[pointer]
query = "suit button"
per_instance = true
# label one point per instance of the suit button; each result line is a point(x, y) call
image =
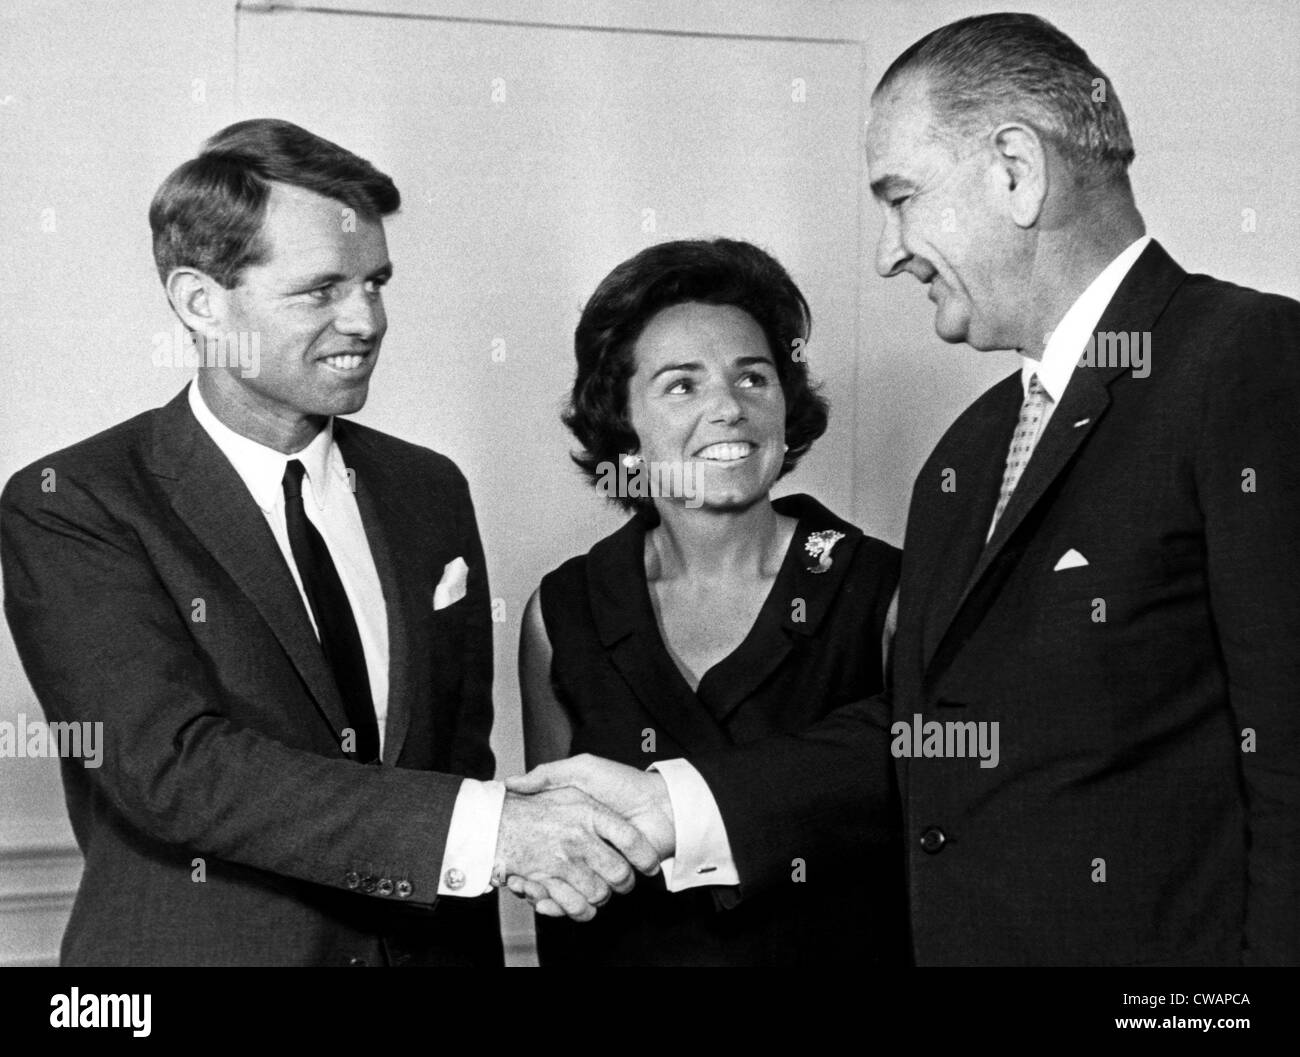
point(404, 889)
point(454, 879)
point(933, 840)
point(352, 879)
point(385, 887)
point(356, 961)
point(369, 884)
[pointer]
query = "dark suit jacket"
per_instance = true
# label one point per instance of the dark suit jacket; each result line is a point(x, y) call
point(1146, 805)
point(221, 721)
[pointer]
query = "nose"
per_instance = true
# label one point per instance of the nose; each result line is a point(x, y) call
point(890, 253)
point(723, 405)
point(361, 315)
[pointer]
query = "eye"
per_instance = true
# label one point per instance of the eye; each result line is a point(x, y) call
point(321, 293)
point(898, 200)
point(753, 379)
point(376, 286)
point(679, 387)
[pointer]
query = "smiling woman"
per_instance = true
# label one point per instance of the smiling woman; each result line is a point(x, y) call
point(704, 286)
point(711, 618)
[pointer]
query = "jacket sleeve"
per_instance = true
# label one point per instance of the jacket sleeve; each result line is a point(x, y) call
point(807, 795)
point(825, 791)
point(1248, 481)
point(102, 642)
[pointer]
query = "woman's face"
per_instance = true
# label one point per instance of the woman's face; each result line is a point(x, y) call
point(705, 396)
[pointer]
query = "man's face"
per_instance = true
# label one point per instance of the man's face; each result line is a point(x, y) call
point(317, 306)
point(943, 223)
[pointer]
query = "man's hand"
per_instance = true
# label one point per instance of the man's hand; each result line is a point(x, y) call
point(641, 797)
point(557, 841)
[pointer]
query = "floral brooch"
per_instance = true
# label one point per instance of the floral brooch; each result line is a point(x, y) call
point(819, 549)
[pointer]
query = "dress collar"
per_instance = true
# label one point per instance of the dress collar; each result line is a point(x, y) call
point(795, 607)
point(620, 595)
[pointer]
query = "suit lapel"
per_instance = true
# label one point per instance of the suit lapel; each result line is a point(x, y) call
point(376, 496)
point(1083, 405)
point(952, 552)
point(209, 496)
point(1136, 306)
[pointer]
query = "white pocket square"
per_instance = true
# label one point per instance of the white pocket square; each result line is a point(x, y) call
point(1071, 559)
point(451, 588)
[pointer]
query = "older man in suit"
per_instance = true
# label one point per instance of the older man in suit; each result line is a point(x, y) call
point(280, 618)
point(1098, 580)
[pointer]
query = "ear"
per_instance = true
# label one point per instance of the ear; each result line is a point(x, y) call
point(198, 299)
point(1021, 171)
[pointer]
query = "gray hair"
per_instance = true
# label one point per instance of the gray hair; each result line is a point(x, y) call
point(989, 68)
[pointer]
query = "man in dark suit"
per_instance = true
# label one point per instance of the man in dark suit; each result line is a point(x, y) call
point(280, 618)
point(1095, 709)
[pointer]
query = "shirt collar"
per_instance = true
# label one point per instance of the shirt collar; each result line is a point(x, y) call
point(1068, 340)
point(262, 468)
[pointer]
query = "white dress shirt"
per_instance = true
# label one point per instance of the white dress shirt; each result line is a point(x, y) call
point(1066, 343)
point(471, 840)
point(703, 849)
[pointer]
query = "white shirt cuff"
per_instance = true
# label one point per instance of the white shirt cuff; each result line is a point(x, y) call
point(471, 849)
point(703, 852)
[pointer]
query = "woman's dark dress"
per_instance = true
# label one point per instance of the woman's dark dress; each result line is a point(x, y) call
point(814, 646)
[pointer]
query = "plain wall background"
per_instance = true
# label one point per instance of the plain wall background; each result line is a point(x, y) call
point(99, 100)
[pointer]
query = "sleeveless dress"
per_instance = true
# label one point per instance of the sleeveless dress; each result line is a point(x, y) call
point(815, 645)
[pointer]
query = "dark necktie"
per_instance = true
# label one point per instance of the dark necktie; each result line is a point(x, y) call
point(339, 637)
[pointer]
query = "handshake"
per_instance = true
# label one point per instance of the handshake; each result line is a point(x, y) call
point(572, 832)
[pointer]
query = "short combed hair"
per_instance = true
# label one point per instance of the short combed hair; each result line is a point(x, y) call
point(711, 272)
point(208, 213)
point(988, 68)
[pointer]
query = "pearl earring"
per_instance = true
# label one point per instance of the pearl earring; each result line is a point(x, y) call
point(631, 461)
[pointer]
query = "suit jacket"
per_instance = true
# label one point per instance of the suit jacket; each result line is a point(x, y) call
point(146, 592)
point(1146, 803)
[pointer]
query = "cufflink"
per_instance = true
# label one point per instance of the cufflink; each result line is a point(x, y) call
point(352, 879)
point(385, 887)
point(454, 879)
point(404, 889)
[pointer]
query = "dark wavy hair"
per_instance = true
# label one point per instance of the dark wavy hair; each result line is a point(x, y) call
point(208, 213)
point(711, 272)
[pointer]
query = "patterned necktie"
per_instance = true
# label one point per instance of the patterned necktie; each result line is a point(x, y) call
point(1022, 445)
point(339, 638)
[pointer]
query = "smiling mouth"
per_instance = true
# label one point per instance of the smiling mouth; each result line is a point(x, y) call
point(728, 451)
point(346, 362)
